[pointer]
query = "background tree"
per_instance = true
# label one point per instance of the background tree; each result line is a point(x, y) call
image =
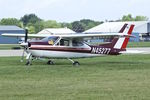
point(137, 18)
point(39, 26)
point(51, 24)
point(68, 25)
point(31, 18)
point(77, 26)
point(10, 21)
point(141, 18)
point(87, 23)
point(31, 29)
point(84, 24)
point(127, 18)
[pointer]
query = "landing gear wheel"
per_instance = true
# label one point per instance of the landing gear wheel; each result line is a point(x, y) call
point(50, 62)
point(28, 63)
point(76, 63)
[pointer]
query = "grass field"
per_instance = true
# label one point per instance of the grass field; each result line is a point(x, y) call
point(125, 77)
point(8, 46)
point(138, 44)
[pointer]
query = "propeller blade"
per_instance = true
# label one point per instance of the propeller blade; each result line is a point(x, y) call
point(26, 35)
point(25, 45)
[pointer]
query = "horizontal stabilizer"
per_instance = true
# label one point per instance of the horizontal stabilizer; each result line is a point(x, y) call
point(134, 52)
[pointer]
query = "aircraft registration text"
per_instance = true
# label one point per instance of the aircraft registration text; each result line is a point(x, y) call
point(97, 50)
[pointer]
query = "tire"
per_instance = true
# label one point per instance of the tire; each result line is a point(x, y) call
point(28, 63)
point(76, 63)
point(50, 62)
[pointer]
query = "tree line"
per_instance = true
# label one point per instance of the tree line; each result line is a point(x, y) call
point(36, 24)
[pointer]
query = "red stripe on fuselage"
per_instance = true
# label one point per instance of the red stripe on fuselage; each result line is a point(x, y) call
point(66, 49)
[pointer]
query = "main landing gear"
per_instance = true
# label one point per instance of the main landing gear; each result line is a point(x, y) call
point(50, 62)
point(74, 63)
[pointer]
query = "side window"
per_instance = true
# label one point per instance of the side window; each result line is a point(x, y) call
point(64, 42)
point(76, 43)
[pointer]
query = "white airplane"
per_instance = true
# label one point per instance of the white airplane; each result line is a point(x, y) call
point(73, 45)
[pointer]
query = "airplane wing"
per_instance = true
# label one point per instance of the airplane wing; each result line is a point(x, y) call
point(94, 35)
point(23, 35)
point(69, 35)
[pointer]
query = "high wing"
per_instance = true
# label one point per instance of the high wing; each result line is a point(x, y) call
point(68, 35)
point(23, 35)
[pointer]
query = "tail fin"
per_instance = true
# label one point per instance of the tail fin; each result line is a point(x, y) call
point(124, 45)
point(123, 28)
point(121, 42)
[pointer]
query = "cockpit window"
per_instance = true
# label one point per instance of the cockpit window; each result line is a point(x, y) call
point(50, 40)
point(64, 42)
point(76, 43)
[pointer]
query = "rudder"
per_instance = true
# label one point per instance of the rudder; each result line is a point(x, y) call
point(121, 43)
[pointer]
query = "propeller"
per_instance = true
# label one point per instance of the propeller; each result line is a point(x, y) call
point(26, 35)
point(24, 44)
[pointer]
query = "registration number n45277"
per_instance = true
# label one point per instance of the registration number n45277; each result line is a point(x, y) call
point(96, 50)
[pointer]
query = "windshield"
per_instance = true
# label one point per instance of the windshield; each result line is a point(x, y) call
point(50, 40)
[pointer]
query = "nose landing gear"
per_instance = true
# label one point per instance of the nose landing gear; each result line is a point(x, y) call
point(29, 58)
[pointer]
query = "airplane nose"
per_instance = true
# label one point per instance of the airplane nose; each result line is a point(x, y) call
point(25, 44)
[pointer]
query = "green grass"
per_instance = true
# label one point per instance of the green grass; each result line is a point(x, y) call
point(8, 46)
point(138, 44)
point(125, 77)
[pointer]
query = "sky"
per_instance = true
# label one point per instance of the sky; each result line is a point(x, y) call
point(72, 10)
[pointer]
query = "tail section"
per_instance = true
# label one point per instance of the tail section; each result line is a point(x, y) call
point(115, 40)
point(118, 44)
point(123, 28)
point(121, 43)
point(124, 45)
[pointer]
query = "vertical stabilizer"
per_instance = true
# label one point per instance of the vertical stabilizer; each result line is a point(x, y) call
point(121, 42)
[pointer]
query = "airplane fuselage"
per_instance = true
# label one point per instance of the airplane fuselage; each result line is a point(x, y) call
point(83, 51)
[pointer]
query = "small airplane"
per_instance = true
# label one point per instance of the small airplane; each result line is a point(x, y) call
point(73, 45)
